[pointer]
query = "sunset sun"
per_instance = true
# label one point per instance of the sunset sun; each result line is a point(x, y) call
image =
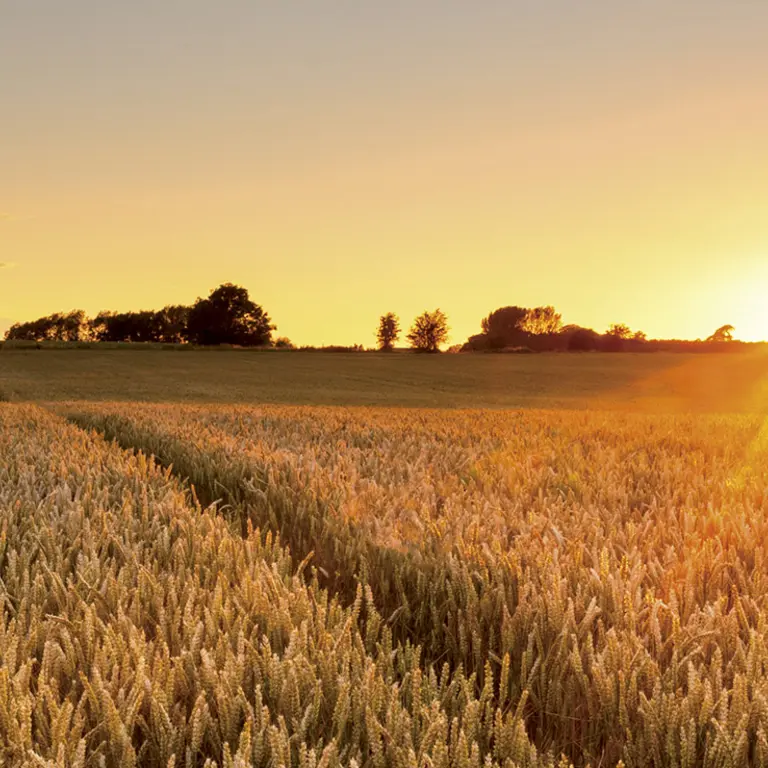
point(748, 299)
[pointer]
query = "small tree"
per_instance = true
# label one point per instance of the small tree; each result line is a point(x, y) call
point(616, 337)
point(724, 333)
point(620, 331)
point(389, 331)
point(429, 331)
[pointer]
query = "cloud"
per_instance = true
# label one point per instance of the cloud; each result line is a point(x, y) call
point(7, 265)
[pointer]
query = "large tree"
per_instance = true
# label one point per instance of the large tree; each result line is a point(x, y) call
point(504, 322)
point(429, 331)
point(228, 316)
point(388, 332)
point(504, 328)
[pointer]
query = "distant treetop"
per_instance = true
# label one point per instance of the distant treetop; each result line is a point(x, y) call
point(723, 333)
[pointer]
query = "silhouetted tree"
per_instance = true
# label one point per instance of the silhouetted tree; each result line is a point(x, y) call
point(125, 326)
point(502, 328)
point(723, 334)
point(284, 343)
point(620, 331)
point(504, 321)
point(99, 325)
point(514, 326)
point(582, 339)
point(69, 326)
point(167, 325)
point(389, 331)
point(228, 316)
point(542, 320)
point(171, 324)
point(639, 336)
point(476, 343)
point(72, 326)
point(429, 331)
point(28, 331)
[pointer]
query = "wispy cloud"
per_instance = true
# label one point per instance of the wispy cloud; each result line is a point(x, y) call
point(6, 217)
point(7, 265)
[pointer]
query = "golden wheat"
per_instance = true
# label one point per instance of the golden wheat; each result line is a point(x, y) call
point(140, 629)
point(608, 569)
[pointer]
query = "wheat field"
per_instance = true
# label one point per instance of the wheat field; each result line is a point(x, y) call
point(326, 586)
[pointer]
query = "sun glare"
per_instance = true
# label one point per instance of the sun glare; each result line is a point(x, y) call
point(754, 312)
point(739, 299)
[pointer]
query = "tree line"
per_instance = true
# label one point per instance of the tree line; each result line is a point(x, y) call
point(541, 329)
point(536, 329)
point(229, 316)
point(226, 316)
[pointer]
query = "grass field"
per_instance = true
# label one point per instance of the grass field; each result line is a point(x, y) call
point(492, 561)
point(655, 382)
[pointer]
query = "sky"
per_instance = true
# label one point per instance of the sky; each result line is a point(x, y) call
point(345, 158)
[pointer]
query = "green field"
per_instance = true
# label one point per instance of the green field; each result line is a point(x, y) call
point(654, 382)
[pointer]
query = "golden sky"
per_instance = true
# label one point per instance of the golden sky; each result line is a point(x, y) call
point(342, 159)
